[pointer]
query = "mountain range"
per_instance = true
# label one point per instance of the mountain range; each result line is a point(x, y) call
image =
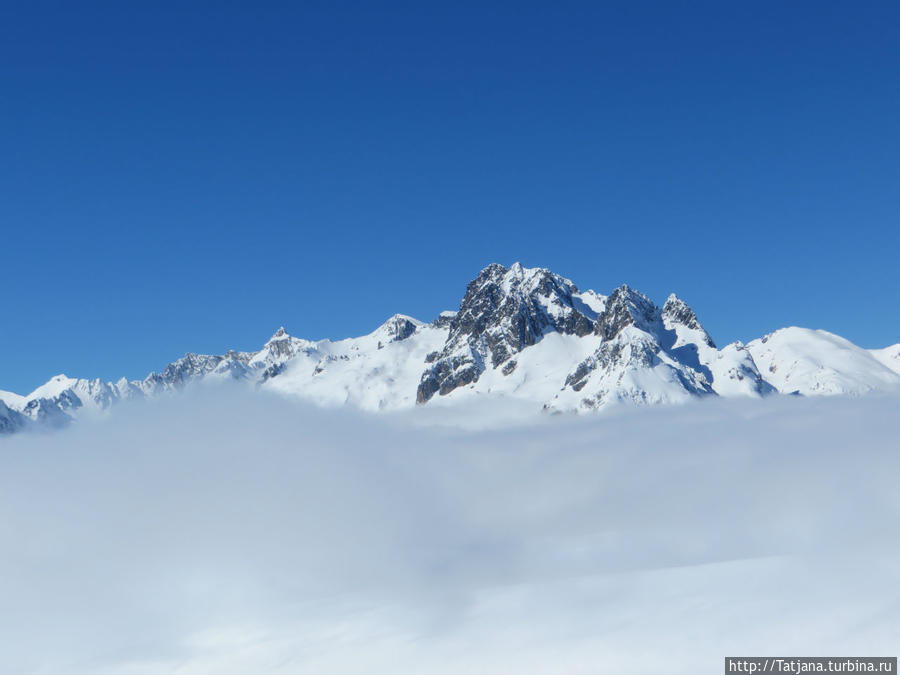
point(520, 333)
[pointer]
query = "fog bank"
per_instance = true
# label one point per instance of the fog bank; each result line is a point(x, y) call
point(224, 532)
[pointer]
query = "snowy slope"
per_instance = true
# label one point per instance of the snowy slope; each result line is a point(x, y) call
point(816, 362)
point(632, 368)
point(379, 371)
point(889, 356)
point(519, 334)
point(14, 401)
point(634, 361)
point(731, 370)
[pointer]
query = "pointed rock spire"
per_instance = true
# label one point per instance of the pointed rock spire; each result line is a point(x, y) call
point(398, 327)
point(625, 307)
point(676, 312)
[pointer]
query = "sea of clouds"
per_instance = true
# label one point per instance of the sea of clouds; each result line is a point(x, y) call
point(223, 532)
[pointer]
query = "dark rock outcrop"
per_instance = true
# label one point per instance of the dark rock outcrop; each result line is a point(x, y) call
point(677, 312)
point(625, 307)
point(503, 311)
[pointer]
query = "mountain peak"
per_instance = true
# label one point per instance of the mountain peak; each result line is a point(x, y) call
point(444, 318)
point(676, 312)
point(279, 348)
point(625, 307)
point(521, 332)
point(503, 311)
point(280, 338)
point(493, 271)
point(398, 327)
point(53, 387)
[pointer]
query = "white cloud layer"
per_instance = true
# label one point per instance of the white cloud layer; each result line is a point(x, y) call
point(223, 532)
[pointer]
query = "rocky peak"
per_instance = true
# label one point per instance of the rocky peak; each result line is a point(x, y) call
point(444, 319)
point(676, 312)
point(281, 345)
point(632, 351)
point(188, 367)
point(626, 307)
point(398, 327)
point(503, 311)
point(516, 306)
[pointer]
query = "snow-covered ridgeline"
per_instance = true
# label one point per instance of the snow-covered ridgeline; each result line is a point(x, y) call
point(519, 333)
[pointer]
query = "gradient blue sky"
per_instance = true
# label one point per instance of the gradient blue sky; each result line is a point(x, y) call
point(190, 176)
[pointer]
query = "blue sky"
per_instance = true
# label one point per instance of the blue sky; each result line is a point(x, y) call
point(190, 176)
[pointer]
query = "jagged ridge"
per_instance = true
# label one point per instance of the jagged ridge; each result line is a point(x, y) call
point(519, 332)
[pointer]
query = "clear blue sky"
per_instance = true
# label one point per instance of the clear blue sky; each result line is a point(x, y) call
point(189, 176)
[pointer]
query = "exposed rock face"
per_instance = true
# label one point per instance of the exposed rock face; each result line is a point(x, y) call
point(625, 307)
point(10, 420)
point(444, 319)
point(676, 313)
point(522, 333)
point(275, 354)
point(53, 413)
point(613, 356)
point(621, 369)
point(513, 308)
point(398, 327)
point(281, 345)
point(447, 374)
point(637, 351)
point(503, 312)
point(178, 373)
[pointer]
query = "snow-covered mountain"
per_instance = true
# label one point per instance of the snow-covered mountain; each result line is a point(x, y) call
point(519, 333)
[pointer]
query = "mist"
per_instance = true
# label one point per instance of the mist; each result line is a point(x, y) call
point(228, 532)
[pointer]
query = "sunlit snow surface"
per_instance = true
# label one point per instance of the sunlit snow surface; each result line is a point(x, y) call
point(224, 532)
point(522, 338)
